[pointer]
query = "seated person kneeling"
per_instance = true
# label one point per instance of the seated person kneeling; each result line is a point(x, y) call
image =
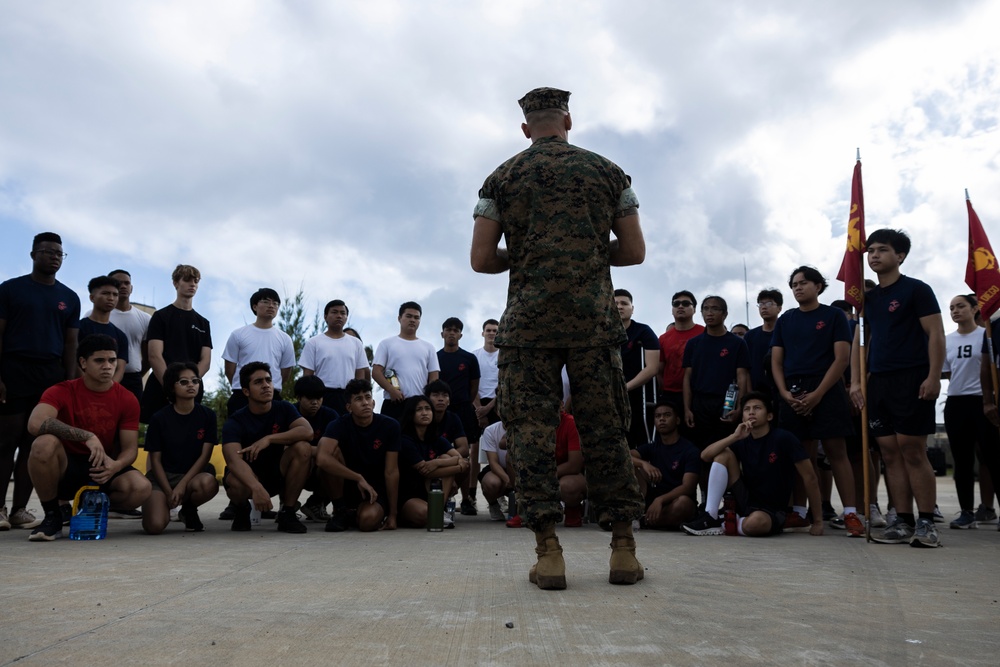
point(668, 469)
point(757, 464)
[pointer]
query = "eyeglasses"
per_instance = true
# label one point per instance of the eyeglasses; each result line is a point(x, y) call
point(185, 381)
point(269, 302)
point(682, 304)
point(52, 253)
point(766, 304)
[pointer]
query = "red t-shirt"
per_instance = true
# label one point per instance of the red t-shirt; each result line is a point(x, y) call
point(567, 438)
point(672, 356)
point(102, 413)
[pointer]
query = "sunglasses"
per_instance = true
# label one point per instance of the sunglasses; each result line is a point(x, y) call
point(185, 382)
point(682, 304)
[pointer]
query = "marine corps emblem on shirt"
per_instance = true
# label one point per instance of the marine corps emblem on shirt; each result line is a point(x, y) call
point(377, 444)
point(725, 352)
point(893, 305)
point(62, 305)
point(772, 457)
point(200, 434)
point(820, 325)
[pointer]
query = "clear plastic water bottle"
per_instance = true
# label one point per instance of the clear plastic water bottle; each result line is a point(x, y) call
point(730, 403)
point(435, 507)
point(90, 514)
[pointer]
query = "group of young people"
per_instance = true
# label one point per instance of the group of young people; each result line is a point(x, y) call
point(761, 415)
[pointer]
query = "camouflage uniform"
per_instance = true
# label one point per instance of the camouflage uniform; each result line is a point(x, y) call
point(556, 204)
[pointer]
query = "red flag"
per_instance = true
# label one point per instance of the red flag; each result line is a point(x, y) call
point(982, 274)
point(852, 268)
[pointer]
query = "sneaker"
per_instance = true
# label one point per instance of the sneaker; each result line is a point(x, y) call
point(124, 514)
point(925, 535)
point(837, 522)
point(794, 520)
point(449, 510)
point(4, 519)
point(66, 510)
point(502, 502)
point(192, 522)
point(898, 532)
point(704, 525)
point(854, 525)
point(985, 514)
point(515, 522)
point(965, 520)
point(228, 514)
point(175, 514)
point(496, 512)
point(938, 517)
point(449, 520)
point(288, 522)
point(315, 511)
point(468, 507)
point(890, 516)
point(50, 528)
point(22, 518)
point(875, 514)
point(336, 524)
point(828, 512)
point(241, 517)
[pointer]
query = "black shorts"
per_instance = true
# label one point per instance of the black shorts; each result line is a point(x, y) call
point(353, 499)
point(830, 419)
point(26, 380)
point(267, 472)
point(744, 508)
point(78, 474)
point(467, 413)
point(894, 406)
point(335, 399)
point(708, 424)
point(392, 409)
point(133, 382)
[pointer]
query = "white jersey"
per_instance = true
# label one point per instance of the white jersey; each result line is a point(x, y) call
point(487, 372)
point(335, 361)
point(410, 360)
point(489, 441)
point(962, 358)
point(251, 343)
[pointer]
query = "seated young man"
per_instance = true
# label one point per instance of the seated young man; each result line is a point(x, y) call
point(310, 391)
point(757, 464)
point(266, 446)
point(668, 470)
point(424, 456)
point(179, 440)
point(86, 433)
point(569, 471)
point(495, 478)
point(358, 457)
point(450, 426)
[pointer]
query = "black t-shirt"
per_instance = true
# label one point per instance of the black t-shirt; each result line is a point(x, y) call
point(247, 428)
point(412, 452)
point(713, 361)
point(37, 317)
point(459, 369)
point(808, 338)
point(758, 345)
point(320, 421)
point(898, 340)
point(451, 427)
point(768, 467)
point(89, 327)
point(640, 339)
point(183, 332)
point(180, 438)
point(673, 462)
point(365, 447)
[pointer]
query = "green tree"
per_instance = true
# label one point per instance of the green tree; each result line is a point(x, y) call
point(292, 320)
point(217, 400)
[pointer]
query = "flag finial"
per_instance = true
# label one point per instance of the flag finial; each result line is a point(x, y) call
point(859, 153)
point(966, 194)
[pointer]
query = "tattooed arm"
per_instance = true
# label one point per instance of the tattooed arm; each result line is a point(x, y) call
point(43, 422)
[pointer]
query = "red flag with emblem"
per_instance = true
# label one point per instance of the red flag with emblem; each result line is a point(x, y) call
point(852, 269)
point(982, 274)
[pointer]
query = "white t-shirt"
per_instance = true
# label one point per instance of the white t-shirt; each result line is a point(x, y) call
point(489, 441)
point(962, 358)
point(487, 372)
point(335, 361)
point(133, 323)
point(250, 343)
point(412, 360)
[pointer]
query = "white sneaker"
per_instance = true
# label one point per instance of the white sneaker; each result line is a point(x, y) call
point(449, 521)
point(4, 519)
point(24, 519)
point(497, 513)
point(890, 516)
point(938, 517)
point(175, 514)
point(878, 521)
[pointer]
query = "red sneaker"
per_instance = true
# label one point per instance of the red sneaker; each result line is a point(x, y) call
point(574, 516)
point(854, 525)
point(793, 520)
point(514, 521)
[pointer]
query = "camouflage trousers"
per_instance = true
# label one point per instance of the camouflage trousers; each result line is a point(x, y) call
point(528, 400)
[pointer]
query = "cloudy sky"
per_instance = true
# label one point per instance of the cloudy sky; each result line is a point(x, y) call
point(340, 146)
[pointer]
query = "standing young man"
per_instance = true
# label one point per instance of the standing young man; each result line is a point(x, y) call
point(404, 364)
point(672, 344)
point(905, 356)
point(104, 296)
point(134, 323)
point(557, 206)
point(485, 403)
point(640, 362)
point(39, 317)
point(758, 339)
point(335, 357)
point(176, 333)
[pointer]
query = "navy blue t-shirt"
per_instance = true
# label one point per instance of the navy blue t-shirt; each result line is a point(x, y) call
point(459, 369)
point(180, 438)
point(640, 339)
point(768, 467)
point(758, 345)
point(713, 361)
point(320, 421)
point(36, 317)
point(673, 462)
point(247, 428)
point(808, 337)
point(365, 447)
point(89, 327)
point(412, 452)
point(451, 427)
point(898, 340)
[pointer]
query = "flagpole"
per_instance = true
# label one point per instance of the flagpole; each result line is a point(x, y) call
point(866, 461)
point(746, 291)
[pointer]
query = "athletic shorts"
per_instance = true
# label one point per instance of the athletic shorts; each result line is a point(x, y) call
point(78, 474)
point(269, 476)
point(708, 425)
point(467, 413)
point(743, 507)
point(352, 497)
point(173, 478)
point(894, 406)
point(26, 380)
point(830, 419)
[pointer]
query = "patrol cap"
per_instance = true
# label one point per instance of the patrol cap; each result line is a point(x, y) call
point(544, 98)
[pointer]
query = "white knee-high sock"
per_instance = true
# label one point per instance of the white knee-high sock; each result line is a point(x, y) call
point(718, 482)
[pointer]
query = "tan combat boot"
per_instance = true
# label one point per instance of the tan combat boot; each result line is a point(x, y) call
point(625, 568)
point(549, 573)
